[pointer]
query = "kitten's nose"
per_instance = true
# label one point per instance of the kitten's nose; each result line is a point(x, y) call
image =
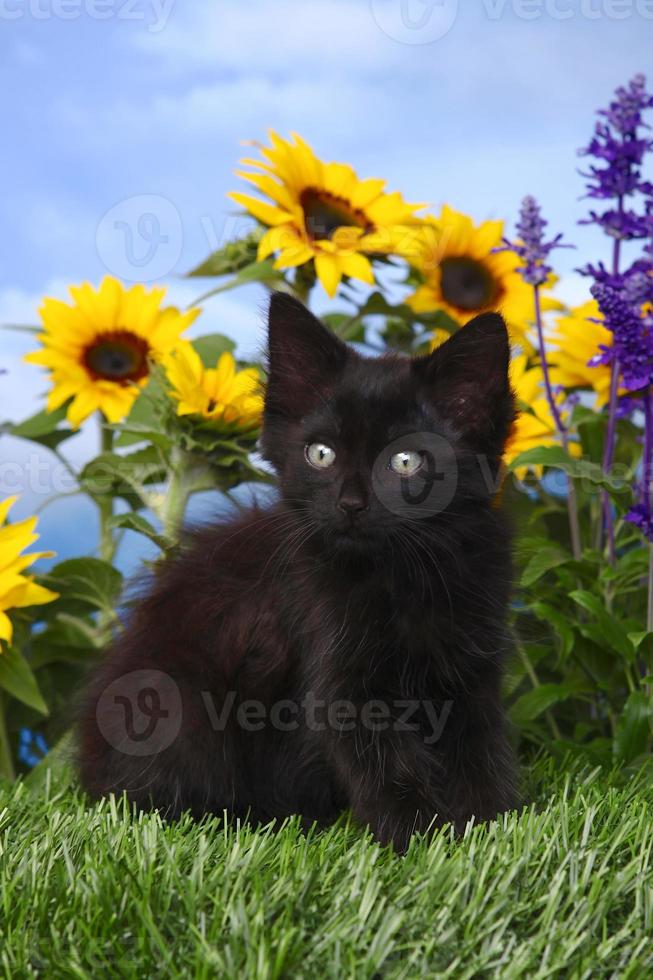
point(353, 502)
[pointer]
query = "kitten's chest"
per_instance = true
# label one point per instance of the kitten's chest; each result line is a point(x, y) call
point(377, 640)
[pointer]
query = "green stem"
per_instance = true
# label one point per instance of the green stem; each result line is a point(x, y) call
point(572, 503)
point(535, 681)
point(647, 493)
point(174, 507)
point(6, 762)
point(104, 502)
point(649, 610)
point(303, 282)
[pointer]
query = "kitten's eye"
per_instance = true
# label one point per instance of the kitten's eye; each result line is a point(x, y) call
point(320, 455)
point(406, 463)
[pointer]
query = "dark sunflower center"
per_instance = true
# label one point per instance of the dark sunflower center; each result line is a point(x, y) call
point(117, 356)
point(324, 212)
point(467, 284)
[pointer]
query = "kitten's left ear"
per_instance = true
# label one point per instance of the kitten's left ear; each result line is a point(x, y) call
point(304, 357)
point(467, 379)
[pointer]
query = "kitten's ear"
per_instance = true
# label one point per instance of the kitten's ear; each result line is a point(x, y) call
point(304, 357)
point(467, 379)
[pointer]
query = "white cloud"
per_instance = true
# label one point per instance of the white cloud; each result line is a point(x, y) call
point(222, 113)
point(288, 36)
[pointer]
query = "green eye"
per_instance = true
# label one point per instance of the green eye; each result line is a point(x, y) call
point(406, 463)
point(320, 455)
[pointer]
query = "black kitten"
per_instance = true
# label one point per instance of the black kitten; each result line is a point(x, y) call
point(343, 649)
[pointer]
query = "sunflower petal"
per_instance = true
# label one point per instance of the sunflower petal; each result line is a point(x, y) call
point(267, 213)
point(327, 269)
point(6, 628)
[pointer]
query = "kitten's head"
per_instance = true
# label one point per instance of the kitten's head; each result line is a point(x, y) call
point(367, 446)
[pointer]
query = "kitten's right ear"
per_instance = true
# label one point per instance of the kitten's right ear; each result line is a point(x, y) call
point(304, 357)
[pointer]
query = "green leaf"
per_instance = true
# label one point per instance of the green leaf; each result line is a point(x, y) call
point(125, 476)
point(605, 630)
point(21, 327)
point(42, 428)
point(543, 561)
point(17, 678)
point(69, 639)
point(211, 346)
point(264, 272)
point(89, 580)
point(376, 304)
point(581, 469)
point(145, 422)
point(138, 523)
point(231, 258)
point(643, 644)
point(40, 424)
point(133, 433)
point(634, 727)
point(560, 623)
point(345, 326)
point(588, 601)
point(543, 456)
point(534, 703)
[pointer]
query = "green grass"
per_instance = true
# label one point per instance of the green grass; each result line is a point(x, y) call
point(565, 889)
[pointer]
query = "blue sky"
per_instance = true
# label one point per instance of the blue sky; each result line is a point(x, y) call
point(115, 109)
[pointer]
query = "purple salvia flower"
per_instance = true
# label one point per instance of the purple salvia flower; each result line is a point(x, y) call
point(633, 336)
point(640, 515)
point(636, 283)
point(534, 251)
point(625, 113)
point(637, 286)
point(530, 246)
point(627, 405)
point(619, 146)
point(619, 149)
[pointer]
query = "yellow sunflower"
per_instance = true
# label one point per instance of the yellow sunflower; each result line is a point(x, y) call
point(534, 426)
point(320, 211)
point(223, 394)
point(16, 589)
point(464, 276)
point(575, 341)
point(98, 348)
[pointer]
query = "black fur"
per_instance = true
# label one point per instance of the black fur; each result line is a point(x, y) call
point(352, 589)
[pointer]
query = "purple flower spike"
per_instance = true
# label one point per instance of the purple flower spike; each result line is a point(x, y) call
point(619, 148)
point(633, 334)
point(531, 247)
